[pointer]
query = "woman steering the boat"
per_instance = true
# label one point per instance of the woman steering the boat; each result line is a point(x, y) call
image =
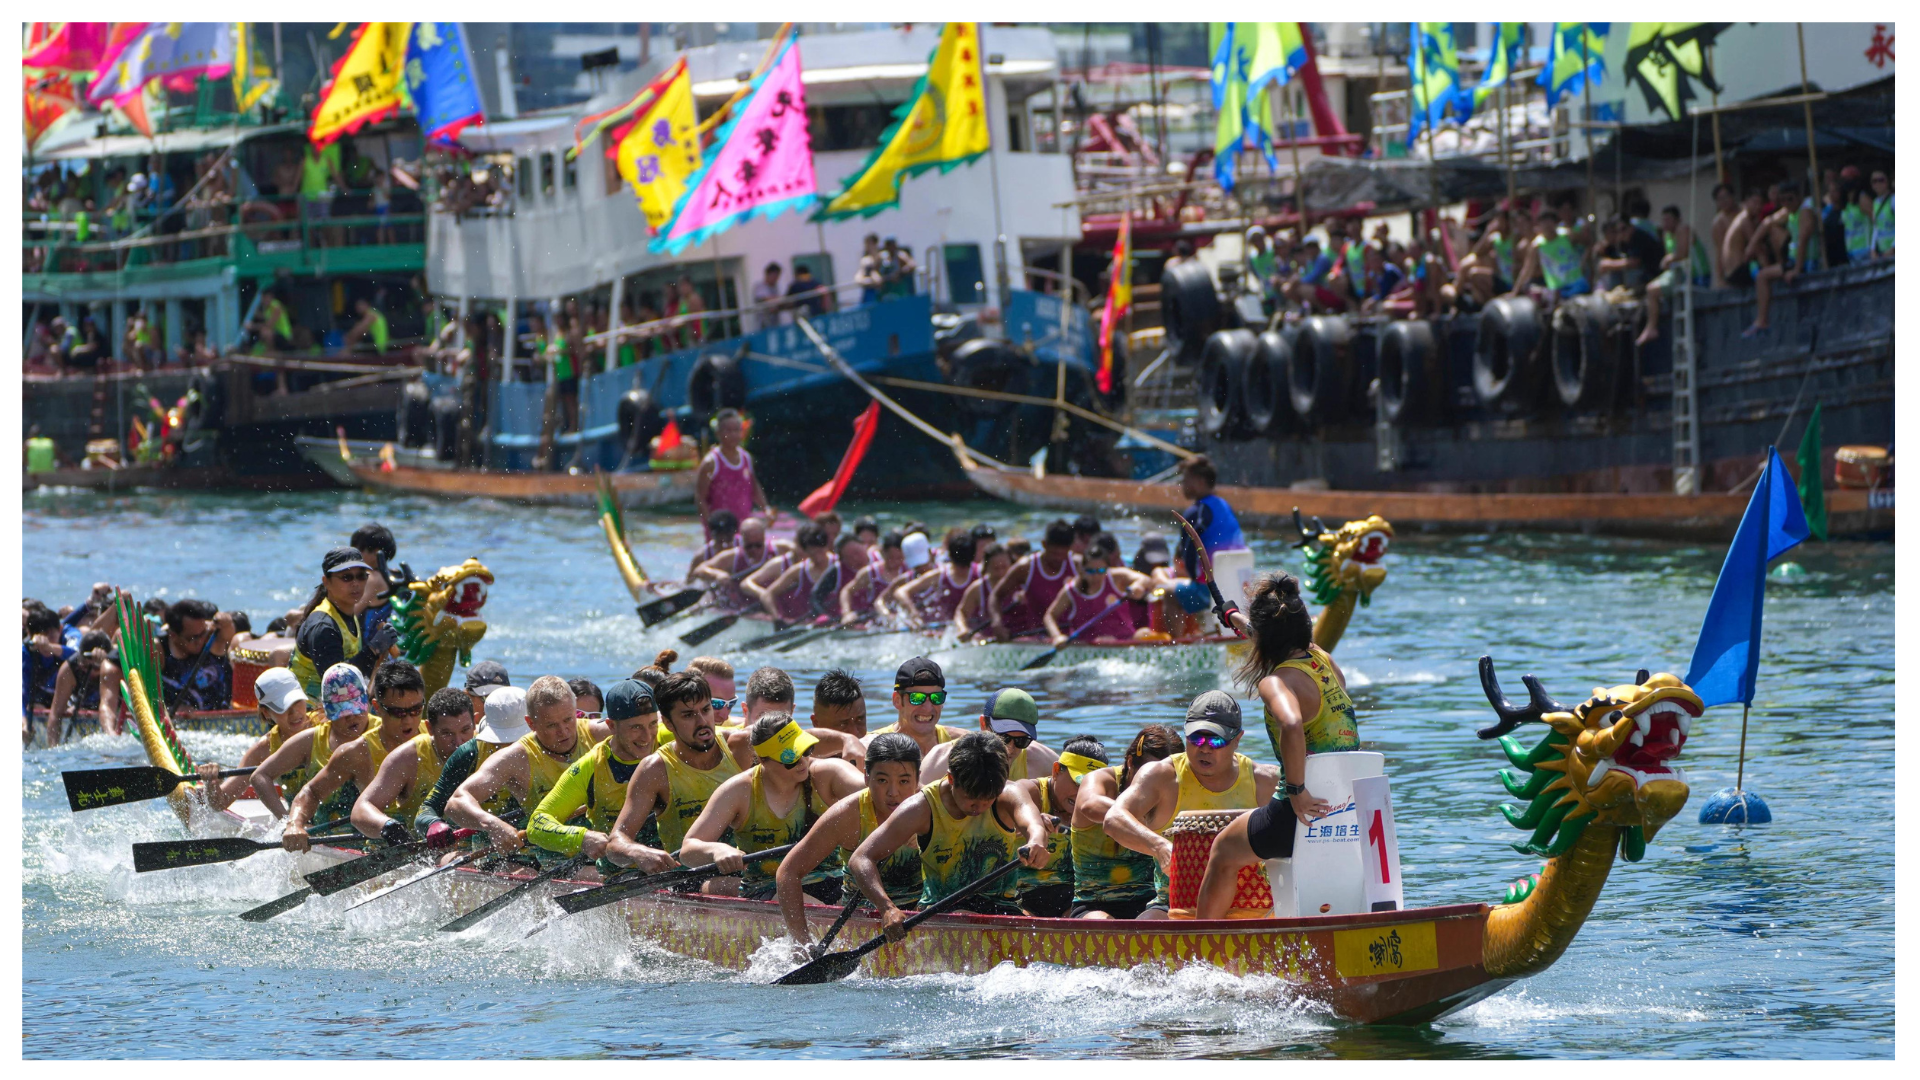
point(332, 631)
point(1307, 712)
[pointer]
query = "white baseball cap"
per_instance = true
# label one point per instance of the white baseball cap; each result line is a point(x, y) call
point(278, 689)
point(506, 716)
point(916, 548)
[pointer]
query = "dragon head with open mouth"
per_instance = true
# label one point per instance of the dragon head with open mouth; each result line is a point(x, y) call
point(439, 619)
point(1343, 568)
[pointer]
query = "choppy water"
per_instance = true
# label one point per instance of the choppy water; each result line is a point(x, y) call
point(1768, 942)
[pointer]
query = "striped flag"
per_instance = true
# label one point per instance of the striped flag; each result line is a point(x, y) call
point(1119, 300)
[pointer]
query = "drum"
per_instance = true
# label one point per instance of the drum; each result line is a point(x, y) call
point(250, 658)
point(1860, 466)
point(1192, 834)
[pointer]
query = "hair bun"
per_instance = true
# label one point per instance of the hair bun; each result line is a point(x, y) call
point(664, 659)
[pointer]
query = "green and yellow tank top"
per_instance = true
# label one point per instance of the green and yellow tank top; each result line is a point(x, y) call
point(764, 830)
point(688, 790)
point(1197, 796)
point(543, 769)
point(1017, 768)
point(302, 664)
point(900, 872)
point(941, 733)
point(958, 851)
point(1334, 728)
point(1106, 872)
point(317, 753)
point(597, 784)
point(426, 773)
point(1059, 868)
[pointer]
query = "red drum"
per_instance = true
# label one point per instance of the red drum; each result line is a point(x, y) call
point(1192, 834)
point(250, 658)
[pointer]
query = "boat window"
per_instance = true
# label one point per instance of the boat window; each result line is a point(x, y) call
point(966, 274)
point(848, 127)
point(546, 175)
point(526, 178)
point(569, 173)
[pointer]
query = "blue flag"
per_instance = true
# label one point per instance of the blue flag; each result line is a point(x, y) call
point(440, 80)
point(1727, 656)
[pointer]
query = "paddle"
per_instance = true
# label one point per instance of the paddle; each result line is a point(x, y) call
point(1046, 658)
point(668, 606)
point(782, 631)
point(89, 789)
point(699, 634)
point(465, 860)
point(171, 854)
point(1206, 567)
point(816, 635)
point(346, 875)
point(836, 966)
point(474, 917)
point(278, 907)
point(587, 899)
point(820, 947)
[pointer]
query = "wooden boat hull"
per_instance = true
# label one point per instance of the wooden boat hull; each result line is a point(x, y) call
point(1710, 516)
point(634, 490)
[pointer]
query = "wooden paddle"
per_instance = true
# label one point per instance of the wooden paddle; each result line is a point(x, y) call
point(587, 899)
point(171, 854)
point(671, 605)
point(464, 860)
point(346, 875)
point(1205, 564)
point(1046, 658)
point(474, 917)
point(836, 966)
point(820, 947)
point(89, 789)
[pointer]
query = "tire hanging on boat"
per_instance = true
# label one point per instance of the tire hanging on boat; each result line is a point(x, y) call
point(1222, 412)
point(1409, 366)
point(986, 364)
point(639, 421)
point(206, 401)
point(416, 415)
point(1263, 385)
point(716, 382)
point(1190, 308)
point(1583, 360)
point(1506, 357)
point(1319, 369)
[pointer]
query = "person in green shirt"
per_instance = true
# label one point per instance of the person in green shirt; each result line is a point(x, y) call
point(320, 177)
point(566, 379)
point(372, 324)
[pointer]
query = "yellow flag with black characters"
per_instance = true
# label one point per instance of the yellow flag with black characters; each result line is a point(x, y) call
point(366, 82)
point(660, 147)
point(942, 125)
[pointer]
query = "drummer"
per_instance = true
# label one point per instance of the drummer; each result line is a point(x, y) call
point(1211, 775)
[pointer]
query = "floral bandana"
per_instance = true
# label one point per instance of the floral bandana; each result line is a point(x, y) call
point(343, 690)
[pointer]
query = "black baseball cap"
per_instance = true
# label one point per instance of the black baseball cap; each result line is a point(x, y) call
point(486, 673)
point(343, 558)
point(919, 671)
point(629, 698)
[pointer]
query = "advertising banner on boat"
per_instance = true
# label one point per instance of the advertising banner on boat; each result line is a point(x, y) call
point(1033, 321)
point(1380, 860)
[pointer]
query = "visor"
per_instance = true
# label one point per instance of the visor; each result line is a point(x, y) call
point(787, 745)
point(1079, 765)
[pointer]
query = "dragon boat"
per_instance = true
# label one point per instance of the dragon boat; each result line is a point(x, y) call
point(669, 487)
point(1596, 787)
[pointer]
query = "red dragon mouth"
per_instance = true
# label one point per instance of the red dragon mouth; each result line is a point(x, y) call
point(1660, 730)
point(468, 598)
point(1371, 547)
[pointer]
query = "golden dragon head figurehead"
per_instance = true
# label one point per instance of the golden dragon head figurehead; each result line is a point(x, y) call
point(1605, 761)
point(1343, 559)
point(460, 591)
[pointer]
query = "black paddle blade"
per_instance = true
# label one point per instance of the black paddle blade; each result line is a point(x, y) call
point(830, 968)
point(334, 879)
point(477, 915)
point(277, 907)
point(668, 606)
point(699, 634)
point(168, 854)
point(1040, 661)
point(90, 788)
point(574, 903)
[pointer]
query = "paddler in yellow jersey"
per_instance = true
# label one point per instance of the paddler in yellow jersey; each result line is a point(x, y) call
point(771, 690)
point(672, 786)
point(893, 776)
point(1047, 893)
point(969, 824)
point(283, 707)
point(387, 805)
point(1308, 712)
point(502, 717)
point(1211, 775)
point(597, 783)
point(772, 805)
point(532, 765)
point(919, 693)
point(1110, 881)
point(400, 694)
point(1012, 714)
point(343, 698)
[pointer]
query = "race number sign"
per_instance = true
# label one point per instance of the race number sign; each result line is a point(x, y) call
point(1380, 859)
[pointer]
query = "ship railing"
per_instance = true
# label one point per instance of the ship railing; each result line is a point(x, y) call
point(56, 250)
point(760, 312)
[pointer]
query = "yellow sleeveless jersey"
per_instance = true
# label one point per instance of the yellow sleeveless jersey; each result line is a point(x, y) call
point(543, 769)
point(958, 851)
point(688, 790)
point(899, 872)
point(1196, 796)
point(1104, 871)
point(763, 830)
point(303, 666)
point(1059, 868)
point(597, 783)
point(1334, 728)
point(941, 733)
point(426, 773)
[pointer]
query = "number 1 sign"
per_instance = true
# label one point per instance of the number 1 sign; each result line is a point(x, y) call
point(1373, 801)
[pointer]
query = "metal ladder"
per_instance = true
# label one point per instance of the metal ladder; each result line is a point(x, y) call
point(1686, 429)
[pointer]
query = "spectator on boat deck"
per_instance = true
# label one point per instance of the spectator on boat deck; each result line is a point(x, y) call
point(196, 672)
point(1182, 252)
point(88, 679)
point(815, 305)
point(1856, 221)
point(868, 276)
point(334, 629)
point(768, 311)
point(1833, 234)
point(371, 325)
point(1630, 258)
point(1685, 257)
point(896, 270)
point(1753, 255)
point(1378, 279)
point(1726, 208)
point(1882, 185)
point(562, 351)
point(1796, 232)
point(587, 698)
point(320, 178)
point(1209, 515)
point(684, 303)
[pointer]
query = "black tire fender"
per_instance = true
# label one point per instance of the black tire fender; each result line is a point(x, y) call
point(1506, 359)
point(1263, 385)
point(1190, 308)
point(1222, 415)
point(716, 382)
point(639, 420)
point(1319, 369)
point(1583, 361)
point(986, 364)
point(1409, 366)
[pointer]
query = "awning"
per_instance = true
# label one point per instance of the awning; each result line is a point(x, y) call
point(506, 136)
point(76, 141)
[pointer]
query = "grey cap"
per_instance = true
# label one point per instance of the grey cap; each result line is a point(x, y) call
point(486, 673)
point(1215, 711)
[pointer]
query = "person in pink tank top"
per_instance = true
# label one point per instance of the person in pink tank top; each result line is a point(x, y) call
point(726, 480)
point(789, 597)
point(1024, 595)
point(723, 534)
point(886, 566)
point(973, 618)
point(933, 596)
point(752, 555)
point(1094, 607)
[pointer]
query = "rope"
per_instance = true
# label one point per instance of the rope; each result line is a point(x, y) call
point(1053, 403)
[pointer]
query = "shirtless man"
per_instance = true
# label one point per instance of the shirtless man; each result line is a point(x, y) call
point(1752, 257)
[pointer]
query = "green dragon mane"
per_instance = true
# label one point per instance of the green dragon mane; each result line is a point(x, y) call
point(1549, 810)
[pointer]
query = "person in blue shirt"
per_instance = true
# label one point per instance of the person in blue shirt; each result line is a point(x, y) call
point(1210, 515)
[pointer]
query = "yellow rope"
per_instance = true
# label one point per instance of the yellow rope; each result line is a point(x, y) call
point(1053, 403)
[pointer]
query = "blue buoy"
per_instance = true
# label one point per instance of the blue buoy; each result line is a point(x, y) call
point(1732, 807)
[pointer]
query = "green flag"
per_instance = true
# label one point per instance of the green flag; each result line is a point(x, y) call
point(1813, 496)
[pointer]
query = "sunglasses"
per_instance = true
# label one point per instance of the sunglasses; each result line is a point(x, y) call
point(921, 697)
point(1093, 569)
point(400, 713)
point(351, 575)
point(1018, 742)
point(725, 704)
point(1207, 740)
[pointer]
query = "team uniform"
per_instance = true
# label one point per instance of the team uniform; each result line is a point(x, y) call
point(959, 851)
point(1048, 891)
point(763, 829)
point(1196, 796)
point(1107, 876)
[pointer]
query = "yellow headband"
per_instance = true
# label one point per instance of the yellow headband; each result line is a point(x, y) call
point(787, 745)
point(1079, 765)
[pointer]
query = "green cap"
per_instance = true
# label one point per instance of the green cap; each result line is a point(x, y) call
point(1011, 710)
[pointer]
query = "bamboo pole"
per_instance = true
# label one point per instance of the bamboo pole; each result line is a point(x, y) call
point(1814, 191)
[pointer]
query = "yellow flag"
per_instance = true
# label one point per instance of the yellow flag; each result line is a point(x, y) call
point(366, 82)
point(943, 124)
point(252, 78)
point(660, 147)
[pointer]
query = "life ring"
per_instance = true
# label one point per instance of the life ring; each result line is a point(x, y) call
point(1319, 367)
point(639, 421)
point(716, 382)
point(1263, 385)
point(1409, 366)
point(416, 415)
point(1583, 365)
point(206, 401)
point(986, 364)
point(1505, 361)
point(1189, 307)
point(1222, 414)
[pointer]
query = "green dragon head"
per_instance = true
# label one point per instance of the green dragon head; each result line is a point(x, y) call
point(1604, 760)
point(1344, 559)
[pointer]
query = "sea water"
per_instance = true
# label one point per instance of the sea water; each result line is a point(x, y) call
point(1768, 941)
